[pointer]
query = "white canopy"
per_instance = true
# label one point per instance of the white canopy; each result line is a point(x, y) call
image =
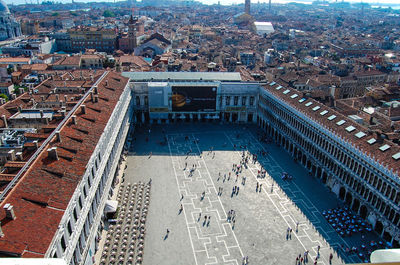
point(385, 255)
point(111, 206)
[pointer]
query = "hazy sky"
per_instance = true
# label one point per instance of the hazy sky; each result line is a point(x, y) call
point(224, 2)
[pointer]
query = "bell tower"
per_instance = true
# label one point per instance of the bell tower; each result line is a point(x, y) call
point(132, 28)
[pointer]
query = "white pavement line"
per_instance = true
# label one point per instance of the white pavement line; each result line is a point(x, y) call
point(219, 199)
point(312, 205)
point(187, 224)
point(277, 208)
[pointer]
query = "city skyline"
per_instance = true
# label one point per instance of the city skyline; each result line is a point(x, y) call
point(227, 2)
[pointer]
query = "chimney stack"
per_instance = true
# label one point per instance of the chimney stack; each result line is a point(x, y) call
point(41, 114)
point(1, 231)
point(74, 119)
point(57, 97)
point(9, 211)
point(5, 121)
point(65, 98)
point(11, 155)
point(96, 90)
point(83, 108)
point(106, 83)
point(36, 144)
point(42, 97)
point(19, 156)
point(58, 136)
point(96, 98)
point(52, 153)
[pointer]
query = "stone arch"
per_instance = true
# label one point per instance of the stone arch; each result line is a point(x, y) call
point(348, 198)
point(378, 227)
point(363, 211)
point(324, 177)
point(387, 236)
point(356, 205)
point(309, 164)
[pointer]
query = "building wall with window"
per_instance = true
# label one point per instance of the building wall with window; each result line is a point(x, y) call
point(100, 39)
point(357, 177)
point(78, 234)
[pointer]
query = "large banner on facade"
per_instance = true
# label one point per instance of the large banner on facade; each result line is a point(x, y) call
point(194, 98)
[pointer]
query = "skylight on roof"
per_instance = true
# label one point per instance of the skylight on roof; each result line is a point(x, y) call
point(294, 96)
point(350, 128)
point(360, 135)
point(331, 117)
point(278, 87)
point(286, 91)
point(316, 108)
point(341, 122)
point(323, 112)
point(308, 104)
point(396, 156)
point(272, 83)
point(385, 147)
point(302, 100)
point(371, 141)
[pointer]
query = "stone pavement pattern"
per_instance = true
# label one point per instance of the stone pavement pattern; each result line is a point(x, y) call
point(261, 217)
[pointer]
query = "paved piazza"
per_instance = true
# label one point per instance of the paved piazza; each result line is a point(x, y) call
point(262, 218)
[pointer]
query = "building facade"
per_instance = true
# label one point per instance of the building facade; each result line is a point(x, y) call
point(360, 168)
point(30, 46)
point(178, 96)
point(100, 39)
point(9, 27)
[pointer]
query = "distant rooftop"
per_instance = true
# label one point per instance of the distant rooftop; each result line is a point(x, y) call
point(183, 76)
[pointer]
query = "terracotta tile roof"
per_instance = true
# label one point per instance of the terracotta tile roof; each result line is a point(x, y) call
point(11, 107)
point(44, 191)
point(14, 60)
point(385, 158)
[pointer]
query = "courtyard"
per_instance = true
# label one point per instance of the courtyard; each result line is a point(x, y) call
point(190, 168)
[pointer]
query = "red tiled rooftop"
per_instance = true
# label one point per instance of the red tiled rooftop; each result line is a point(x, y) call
point(44, 191)
point(384, 158)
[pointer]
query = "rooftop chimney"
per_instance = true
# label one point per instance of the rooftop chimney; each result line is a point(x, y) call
point(36, 144)
point(96, 98)
point(106, 83)
point(58, 136)
point(65, 98)
point(52, 153)
point(83, 108)
point(42, 97)
point(19, 156)
point(41, 114)
point(11, 155)
point(91, 96)
point(1, 231)
point(57, 97)
point(5, 121)
point(74, 119)
point(9, 211)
